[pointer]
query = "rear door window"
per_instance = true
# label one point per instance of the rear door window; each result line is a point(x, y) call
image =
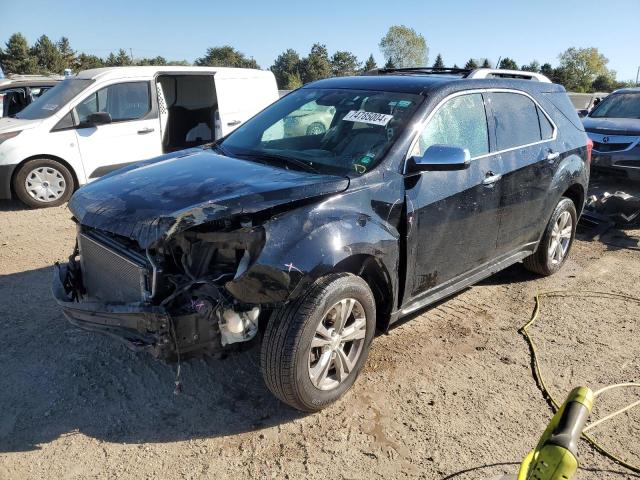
point(460, 122)
point(516, 120)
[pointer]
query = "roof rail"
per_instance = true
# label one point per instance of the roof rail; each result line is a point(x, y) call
point(463, 72)
point(503, 73)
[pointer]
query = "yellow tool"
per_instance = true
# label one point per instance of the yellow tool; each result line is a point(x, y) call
point(555, 456)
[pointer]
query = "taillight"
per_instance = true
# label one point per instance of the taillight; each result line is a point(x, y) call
point(589, 149)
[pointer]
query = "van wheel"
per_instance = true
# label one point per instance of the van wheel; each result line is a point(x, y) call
point(316, 128)
point(556, 242)
point(43, 182)
point(315, 346)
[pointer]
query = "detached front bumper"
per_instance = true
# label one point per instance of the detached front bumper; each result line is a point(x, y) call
point(142, 327)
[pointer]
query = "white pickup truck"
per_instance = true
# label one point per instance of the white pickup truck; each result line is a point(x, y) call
point(102, 119)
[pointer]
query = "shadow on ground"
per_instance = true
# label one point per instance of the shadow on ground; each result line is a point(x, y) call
point(58, 380)
point(12, 206)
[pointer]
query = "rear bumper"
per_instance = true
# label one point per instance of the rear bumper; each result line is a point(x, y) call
point(6, 173)
point(140, 326)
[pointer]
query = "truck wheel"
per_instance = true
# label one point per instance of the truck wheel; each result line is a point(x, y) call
point(43, 182)
point(315, 346)
point(556, 241)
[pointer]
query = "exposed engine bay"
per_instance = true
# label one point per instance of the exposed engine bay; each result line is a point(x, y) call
point(169, 300)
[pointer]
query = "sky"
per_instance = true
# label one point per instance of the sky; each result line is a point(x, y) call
point(458, 29)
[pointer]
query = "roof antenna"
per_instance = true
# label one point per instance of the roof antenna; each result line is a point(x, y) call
point(498, 62)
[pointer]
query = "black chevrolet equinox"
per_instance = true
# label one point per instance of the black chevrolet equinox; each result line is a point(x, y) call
point(422, 183)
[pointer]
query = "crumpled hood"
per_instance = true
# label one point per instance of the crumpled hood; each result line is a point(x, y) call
point(155, 199)
point(612, 126)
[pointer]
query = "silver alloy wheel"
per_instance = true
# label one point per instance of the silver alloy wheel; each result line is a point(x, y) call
point(337, 344)
point(45, 184)
point(560, 238)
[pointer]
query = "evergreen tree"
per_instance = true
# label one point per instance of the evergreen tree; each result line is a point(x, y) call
point(471, 64)
point(226, 56)
point(47, 56)
point(17, 57)
point(86, 62)
point(344, 64)
point(316, 65)
point(508, 64)
point(370, 64)
point(286, 69)
point(439, 63)
point(67, 55)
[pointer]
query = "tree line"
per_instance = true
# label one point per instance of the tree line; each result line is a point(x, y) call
point(579, 69)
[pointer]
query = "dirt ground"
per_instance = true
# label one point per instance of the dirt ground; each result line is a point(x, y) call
point(449, 394)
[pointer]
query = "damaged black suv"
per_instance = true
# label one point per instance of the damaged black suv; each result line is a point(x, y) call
point(416, 186)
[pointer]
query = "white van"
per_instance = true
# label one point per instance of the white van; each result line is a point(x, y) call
point(103, 119)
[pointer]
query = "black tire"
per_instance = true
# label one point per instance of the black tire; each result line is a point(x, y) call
point(316, 128)
point(541, 262)
point(51, 166)
point(286, 345)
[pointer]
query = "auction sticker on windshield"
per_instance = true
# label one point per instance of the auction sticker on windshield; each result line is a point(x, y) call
point(363, 116)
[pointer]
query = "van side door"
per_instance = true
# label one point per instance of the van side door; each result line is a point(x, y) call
point(525, 144)
point(240, 97)
point(452, 216)
point(132, 135)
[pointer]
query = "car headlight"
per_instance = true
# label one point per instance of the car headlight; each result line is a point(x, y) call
point(7, 136)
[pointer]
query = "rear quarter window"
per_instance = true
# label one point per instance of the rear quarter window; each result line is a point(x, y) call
point(563, 105)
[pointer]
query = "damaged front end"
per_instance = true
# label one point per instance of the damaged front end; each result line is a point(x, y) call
point(169, 299)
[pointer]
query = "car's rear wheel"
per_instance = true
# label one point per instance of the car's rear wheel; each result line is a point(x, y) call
point(314, 347)
point(43, 182)
point(556, 242)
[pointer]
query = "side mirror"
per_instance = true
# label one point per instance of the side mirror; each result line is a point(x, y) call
point(583, 112)
point(95, 119)
point(440, 157)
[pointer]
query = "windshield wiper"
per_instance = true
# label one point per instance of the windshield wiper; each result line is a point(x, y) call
point(281, 159)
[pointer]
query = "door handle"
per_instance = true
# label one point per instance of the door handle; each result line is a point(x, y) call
point(552, 156)
point(233, 123)
point(144, 131)
point(491, 178)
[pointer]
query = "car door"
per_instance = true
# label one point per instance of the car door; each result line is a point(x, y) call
point(452, 216)
point(524, 141)
point(132, 135)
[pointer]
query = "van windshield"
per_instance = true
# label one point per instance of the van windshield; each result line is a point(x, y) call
point(54, 99)
point(335, 131)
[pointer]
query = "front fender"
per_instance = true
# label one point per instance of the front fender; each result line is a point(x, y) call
point(307, 243)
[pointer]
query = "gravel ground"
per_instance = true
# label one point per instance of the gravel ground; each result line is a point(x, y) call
point(448, 394)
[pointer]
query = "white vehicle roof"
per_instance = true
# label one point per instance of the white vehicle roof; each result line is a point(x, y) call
point(108, 73)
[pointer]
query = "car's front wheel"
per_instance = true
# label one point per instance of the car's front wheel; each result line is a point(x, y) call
point(43, 182)
point(557, 240)
point(314, 347)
